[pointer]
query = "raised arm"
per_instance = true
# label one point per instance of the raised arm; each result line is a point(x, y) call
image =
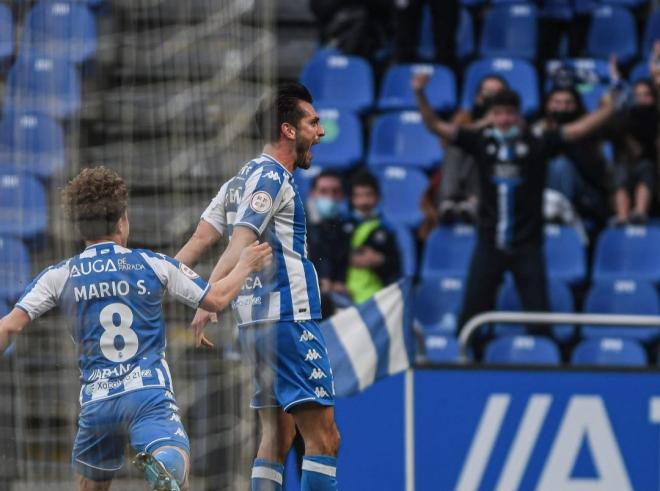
point(204, 237)
point(589, 124)
point(430, 118)
point(11, 324)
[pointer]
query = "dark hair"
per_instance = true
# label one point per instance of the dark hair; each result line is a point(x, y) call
point(649, 83)
point(491, 76)
point(365, 179)
point(284, 108)
point(95, 200)
point(571, 90)
point(506, 97)
point(326, 173)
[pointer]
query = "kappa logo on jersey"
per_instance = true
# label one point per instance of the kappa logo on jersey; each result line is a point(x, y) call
point(317, 374)
point(312, 355)
point(261, 202)
point(180, 433)
point(321, 392)
point(175, 417)
point(188, 272)
point(306, 336)
point(273, 175)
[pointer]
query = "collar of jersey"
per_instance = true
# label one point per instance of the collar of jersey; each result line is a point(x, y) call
point(107, 242)
point(263, 154)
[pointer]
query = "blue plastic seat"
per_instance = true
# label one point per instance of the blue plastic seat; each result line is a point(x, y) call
point(438, 303)
point(510, 31)
point(465, 46)
point(612, 31)
point(609, 352)
point(522, 350)
point(628, 252)
point(342, 147)
point(344, 82)
point(651, 33)
point(626, 3)
point(564, 254)
point(448, 252)
point(560, 299)
point(303, 179)
point(440, 349)
point(519, 74)
point(592, 95)
point(401, 194)
point(60, 29)
point(639, 72)
point(45, 85)
point(6, 33)
point(587, 72)
point(14, 269)
point(22, 206)
point(401, 139)
point(397, 95)
point(407, 250)
point(31, 142)
point(622, 297)
point(557, 9)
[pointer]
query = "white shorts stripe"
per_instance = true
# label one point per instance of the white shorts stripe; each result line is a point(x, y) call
point(267, 473)
point(328, 470)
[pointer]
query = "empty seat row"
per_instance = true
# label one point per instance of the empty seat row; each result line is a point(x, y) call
point(14, 269)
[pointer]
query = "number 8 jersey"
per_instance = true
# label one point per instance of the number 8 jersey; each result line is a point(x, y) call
point(113, 295)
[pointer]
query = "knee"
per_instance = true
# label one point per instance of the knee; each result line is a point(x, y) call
point(329, 441)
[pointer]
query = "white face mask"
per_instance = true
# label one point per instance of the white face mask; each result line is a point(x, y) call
point(510, 134)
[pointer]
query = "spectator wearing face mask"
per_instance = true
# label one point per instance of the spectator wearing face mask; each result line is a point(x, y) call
point(374, 255)
point(328, 242)
point(636, 153)
point(511, 164)
point(452, 193)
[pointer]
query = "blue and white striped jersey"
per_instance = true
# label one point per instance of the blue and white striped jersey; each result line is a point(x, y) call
point(113, 297)
point(263, 197)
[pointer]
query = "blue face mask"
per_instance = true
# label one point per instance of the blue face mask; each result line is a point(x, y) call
point(326, 207)
point(508, 135)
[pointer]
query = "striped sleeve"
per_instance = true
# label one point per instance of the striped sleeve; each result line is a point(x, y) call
point(262, 198)
point(45, 290)
point(180, 281)
point(215, 213)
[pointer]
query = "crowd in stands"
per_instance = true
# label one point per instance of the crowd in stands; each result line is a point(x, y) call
point(509, 171)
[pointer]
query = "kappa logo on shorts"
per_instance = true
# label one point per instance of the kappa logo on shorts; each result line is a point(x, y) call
point(321, 392)
point(306, 336)
point(317, 374)
point(312, 355)
point(261, 202)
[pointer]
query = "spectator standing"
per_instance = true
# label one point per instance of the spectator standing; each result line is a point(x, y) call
point(374, 254)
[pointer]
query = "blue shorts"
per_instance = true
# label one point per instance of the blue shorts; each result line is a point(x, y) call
point(147, 419)
point(290, 364)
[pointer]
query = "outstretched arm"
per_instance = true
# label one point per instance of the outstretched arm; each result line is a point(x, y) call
point(12, 324)
point(589, 124)
point(430, 118)
point(204, 237)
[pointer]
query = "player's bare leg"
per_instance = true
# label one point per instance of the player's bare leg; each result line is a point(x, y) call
point(85, 484)
point(317, 426)
point(277, 433)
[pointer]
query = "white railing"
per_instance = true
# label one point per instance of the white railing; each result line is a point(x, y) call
point(605, 320)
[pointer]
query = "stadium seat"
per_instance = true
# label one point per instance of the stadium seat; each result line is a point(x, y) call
point(402, 189)
point(465, 46)
point(440, 349)
point(31, 142)
point(622, 297)
point(41, 84)
point(448, 252)
point(407, 250)
point(561, 301)
point(342, 146)
point(472, 3)
point(628, 253)
point(303, 179)
point(401, 139)
point(22, 206)
point(510, 30)
point(651, 33)
point(557, 9)
point(61, 29)
point(582, 72)
point(564, 254)
point(520, 75)
point(639, 72)
point(609, 352)
point(591, 95)
point(612, 31)
point(14, 269)
point(344, 82)
point(522, 350)
point(626, 3)
point(396, 93)
point(438, 303)
point(4, 307)
point(6, 34)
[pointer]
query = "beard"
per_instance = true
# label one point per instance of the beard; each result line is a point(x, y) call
point(302, 149)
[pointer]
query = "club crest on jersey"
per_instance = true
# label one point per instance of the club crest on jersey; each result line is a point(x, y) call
point(261, 202)
point(188, 272)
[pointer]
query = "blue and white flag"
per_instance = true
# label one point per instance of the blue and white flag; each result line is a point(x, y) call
point(372, 340)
